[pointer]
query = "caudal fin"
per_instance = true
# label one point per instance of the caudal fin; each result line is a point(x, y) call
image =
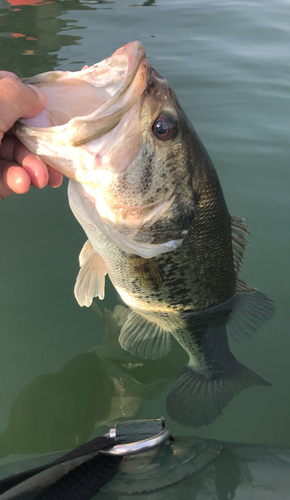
point(196, 399)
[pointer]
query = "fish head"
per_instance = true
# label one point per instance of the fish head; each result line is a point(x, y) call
point(118, 131)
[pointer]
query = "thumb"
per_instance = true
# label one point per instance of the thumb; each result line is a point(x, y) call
point(18, 100)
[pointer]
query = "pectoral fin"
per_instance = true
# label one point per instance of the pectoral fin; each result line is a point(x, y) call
point(91, 278)
point(144, 338)
point(85, 252)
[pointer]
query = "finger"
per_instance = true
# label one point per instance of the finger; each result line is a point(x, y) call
point(13, 179)
point(18, 100)
point(13, 151)
point(40, 173)
point(7, 147)
point(5, 74)
point(36, 168)
point(55, 177)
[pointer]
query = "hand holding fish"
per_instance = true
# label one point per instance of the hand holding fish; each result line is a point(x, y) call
point(19, 168)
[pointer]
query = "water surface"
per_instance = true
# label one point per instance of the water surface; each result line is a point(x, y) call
point(228, 62)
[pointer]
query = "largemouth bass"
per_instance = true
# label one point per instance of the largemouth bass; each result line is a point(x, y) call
point(149, 199)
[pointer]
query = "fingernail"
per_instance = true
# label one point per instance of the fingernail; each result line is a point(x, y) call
point(42, 96)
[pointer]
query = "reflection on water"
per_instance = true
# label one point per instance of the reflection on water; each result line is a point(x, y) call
point(148, 3)
point(33, 31)
point(60, 410)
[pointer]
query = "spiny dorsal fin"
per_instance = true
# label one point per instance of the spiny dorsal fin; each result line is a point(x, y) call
point(91, 279)
point(239, 242)
point(144, 338)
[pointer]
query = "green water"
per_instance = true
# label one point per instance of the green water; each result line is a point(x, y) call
point(228, 62)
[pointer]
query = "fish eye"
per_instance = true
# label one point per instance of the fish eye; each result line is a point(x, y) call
point(165, 127)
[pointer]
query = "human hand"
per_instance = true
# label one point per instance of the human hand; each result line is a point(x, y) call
point(19, 168)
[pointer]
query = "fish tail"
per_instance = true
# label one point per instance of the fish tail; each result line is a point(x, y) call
point(196, 399)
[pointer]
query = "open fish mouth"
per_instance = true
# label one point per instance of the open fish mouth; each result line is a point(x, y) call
point(84, 106)
point(97, 130)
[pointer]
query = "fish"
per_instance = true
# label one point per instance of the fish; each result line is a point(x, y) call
point(148, 197)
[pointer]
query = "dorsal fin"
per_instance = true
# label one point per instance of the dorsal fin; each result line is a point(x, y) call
point(243, 287)
point(239, 242)
point(91, 279)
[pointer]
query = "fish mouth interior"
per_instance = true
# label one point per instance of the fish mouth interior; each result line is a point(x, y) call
point(105, 90)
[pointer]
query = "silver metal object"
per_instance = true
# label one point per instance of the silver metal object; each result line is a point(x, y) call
point(138, 446)
point(113, 433)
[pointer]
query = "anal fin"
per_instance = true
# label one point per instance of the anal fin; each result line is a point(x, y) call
point(90, 281)
point(144, 338)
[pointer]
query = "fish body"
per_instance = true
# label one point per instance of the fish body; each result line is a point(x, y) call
point(149, 199)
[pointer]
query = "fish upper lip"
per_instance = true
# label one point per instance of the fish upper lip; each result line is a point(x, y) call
point(82, 129)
